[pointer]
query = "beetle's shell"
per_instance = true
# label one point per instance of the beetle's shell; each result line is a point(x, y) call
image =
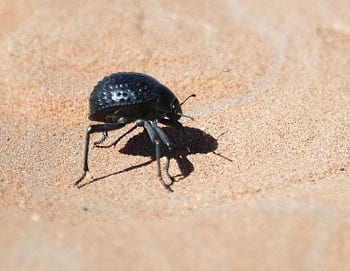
point(121, 90)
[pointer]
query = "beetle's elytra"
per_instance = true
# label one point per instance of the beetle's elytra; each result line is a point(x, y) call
point(127, 97)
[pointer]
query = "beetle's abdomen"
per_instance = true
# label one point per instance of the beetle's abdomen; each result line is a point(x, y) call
point(121, 90)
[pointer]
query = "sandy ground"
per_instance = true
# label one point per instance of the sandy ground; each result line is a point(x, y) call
point(266, 182)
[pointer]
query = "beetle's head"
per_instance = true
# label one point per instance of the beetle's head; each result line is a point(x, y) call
point(167, 104)
point(176, 111)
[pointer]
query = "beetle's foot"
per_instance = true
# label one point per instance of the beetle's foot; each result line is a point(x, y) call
point(167, 164)
point(167, 186)
point(85, 173)
point(99, 142)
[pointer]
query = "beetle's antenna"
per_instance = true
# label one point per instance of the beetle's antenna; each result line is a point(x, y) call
point(192, 95)
point(185, 116)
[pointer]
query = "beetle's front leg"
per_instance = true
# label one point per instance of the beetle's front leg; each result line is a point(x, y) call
point(156, 139)
point(118, 139)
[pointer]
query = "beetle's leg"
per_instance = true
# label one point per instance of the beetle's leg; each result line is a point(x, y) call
point(167, 169)
point(167, 143)
point(104, 137)
point(162, 135)
point(118, 139)
point(167, 186)
point(177, 125)
point(156, 141)
point(95, 129)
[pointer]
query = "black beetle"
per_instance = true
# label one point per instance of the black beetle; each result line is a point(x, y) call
point(126, 97)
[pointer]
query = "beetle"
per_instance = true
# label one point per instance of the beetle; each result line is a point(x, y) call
point(127, 97)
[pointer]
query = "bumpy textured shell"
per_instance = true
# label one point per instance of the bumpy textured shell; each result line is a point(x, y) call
point(121, 89)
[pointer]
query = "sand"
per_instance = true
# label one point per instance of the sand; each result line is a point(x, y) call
point(265, 184)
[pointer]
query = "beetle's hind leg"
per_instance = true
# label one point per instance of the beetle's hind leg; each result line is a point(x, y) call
point(116, 141)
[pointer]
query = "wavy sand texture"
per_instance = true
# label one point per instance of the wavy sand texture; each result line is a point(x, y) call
point(273, 99)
